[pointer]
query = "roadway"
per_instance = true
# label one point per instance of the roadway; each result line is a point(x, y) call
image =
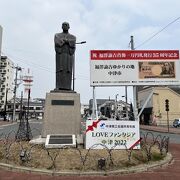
point(36, 127)
point(170, 172)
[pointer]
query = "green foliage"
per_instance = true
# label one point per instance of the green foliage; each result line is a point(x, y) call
point(157, 156)
point(140, 156)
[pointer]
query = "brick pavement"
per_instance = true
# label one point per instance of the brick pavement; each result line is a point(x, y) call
point(170, 172)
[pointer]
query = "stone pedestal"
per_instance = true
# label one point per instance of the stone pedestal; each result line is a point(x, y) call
point(61, 114)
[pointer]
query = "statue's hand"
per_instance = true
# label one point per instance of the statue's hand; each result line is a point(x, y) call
point(65, 40)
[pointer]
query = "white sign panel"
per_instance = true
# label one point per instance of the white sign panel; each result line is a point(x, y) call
point(145, 67)
point(112, 134)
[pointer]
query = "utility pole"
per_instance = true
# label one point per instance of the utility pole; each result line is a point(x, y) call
point(132, 43)
point(134, 87)
point(15, 88)
point(126, 102)
point(5, 113)
point(28, 129)
point(127, 118)
point(21, 107)
point(116, 106)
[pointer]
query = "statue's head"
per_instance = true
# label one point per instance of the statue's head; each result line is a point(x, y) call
point(65, 26)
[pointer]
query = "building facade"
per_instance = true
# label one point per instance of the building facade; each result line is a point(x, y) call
point(1, 29)
point(35, 109)
point(118, 110)
point(6, 79)
point(84, 109)
point(155, 107)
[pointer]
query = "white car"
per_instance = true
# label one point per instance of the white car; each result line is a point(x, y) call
point(39, 117)
point(176, 123)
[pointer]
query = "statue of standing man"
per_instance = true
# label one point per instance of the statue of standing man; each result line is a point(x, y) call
point(65, 45)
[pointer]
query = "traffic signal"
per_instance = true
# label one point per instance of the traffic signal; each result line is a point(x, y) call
point(167, 105)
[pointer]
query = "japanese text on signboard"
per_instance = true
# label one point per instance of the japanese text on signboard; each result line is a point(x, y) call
point(111, 67)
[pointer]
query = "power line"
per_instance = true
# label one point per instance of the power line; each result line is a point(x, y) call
point(32, 64)
point(81, 77)
point(157, 32)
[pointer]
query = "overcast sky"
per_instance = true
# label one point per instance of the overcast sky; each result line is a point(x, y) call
point(29, 27)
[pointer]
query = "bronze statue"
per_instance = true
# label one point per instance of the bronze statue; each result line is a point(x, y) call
point(65, 45)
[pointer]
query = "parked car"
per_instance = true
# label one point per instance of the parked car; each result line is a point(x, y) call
point(39, 117)
point(176, 123)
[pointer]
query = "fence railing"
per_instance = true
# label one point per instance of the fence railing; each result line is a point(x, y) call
point(18, 152)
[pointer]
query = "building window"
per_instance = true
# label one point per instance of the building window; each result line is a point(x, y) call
point(31, 108)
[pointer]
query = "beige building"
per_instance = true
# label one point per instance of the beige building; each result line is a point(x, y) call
point(155, 108)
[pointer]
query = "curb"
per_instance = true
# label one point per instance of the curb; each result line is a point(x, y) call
point(8, 124)
point(161, 131)
point(136, 169)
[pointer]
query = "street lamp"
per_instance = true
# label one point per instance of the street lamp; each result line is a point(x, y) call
point(82, 42)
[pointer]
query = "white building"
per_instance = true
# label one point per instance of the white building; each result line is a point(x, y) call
point(6, 80)
point(0, 38)
point(84, 108)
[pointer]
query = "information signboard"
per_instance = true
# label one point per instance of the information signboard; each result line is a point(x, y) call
point(134, 67)
point(112, 134)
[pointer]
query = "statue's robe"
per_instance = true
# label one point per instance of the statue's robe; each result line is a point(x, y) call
point(64, 60)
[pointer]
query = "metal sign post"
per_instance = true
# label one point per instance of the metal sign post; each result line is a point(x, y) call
point(167, 110)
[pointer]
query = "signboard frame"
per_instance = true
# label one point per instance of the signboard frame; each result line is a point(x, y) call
point(134, 67)
point(112, 134)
